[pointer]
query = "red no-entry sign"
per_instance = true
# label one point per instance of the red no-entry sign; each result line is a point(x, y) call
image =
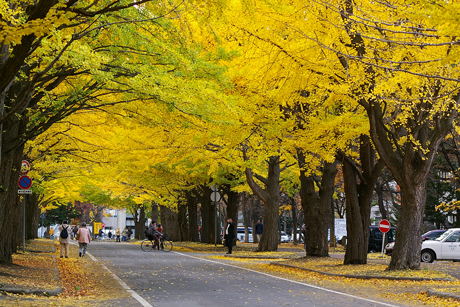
point(384, 226)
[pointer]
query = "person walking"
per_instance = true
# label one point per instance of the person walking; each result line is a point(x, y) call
point(259, 229)
point(64, 238)
point(129, 233)
point(229, 235)
point(84, 238)
point(74, 231)
point(118, 234)
point(52, 233)
point(124, 233)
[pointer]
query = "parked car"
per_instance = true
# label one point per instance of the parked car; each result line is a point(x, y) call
point(433, 234)
point(240, 234)
point(446, 247)
point(430, 235)
point(376, 238)
point(284, 237)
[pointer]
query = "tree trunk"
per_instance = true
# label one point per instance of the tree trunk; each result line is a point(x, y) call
point(182, 222)
point(359, 200)
point(294, 221)
point(407, 256)
point(208, 216)
point(32, 216)
point(139, 224)
point(317, 207)
point(192, 208)
point(9, 200)
point(271, 198)
point(356, 252)
point(232, 205)
point(154, 214)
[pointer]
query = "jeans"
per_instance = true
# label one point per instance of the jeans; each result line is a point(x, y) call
point(83, 248)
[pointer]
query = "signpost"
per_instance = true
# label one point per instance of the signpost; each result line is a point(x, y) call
point(384, 227)
point(24, 184)
point(215, 197)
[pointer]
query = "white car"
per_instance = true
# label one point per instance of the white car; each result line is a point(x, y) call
point(240, 234)
point(446, 247)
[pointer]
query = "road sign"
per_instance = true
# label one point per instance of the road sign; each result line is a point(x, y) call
point(215, 196)
point(25, 167)
point(215, 188)
point(384, 226)
point(25, 182)
point(24, 191)
point(103, 225)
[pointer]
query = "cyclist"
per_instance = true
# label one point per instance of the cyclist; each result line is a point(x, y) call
point(154, 235)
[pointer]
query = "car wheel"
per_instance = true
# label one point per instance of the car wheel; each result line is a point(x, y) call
point(427, 256)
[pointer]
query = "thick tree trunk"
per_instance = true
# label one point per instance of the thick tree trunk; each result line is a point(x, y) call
point(139, 224)
point(407, 256)
point(182, 222)
point(294, 221)
point(359, 199)
point(192, 208)
point(232, 206)
point(208, 216)
point(317, 208)
point(32, 216)
point(154, 214)
point(356, 252)
point(271, 198)
point(9, 200)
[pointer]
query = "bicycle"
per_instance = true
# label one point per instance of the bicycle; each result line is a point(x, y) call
point(147, 245)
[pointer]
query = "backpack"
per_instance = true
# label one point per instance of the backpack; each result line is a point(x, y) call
point(64, 233)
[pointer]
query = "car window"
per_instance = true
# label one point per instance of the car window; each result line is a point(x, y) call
point(455, 237)
point(444, 235)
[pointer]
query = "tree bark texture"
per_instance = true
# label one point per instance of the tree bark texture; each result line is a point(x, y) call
point(410, 167)
point(154, 214)
point(271, 199)
point(9, 200)
point(317, 207)
point(208, 216)
point(359, 200)
point(192, 208)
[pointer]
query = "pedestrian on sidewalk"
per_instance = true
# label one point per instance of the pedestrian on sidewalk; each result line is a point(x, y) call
point(52, 233)
point(74, 231)
point(259, 229)
point(64, 238)
point(129, 233)
point(118, 234)
point(124, 233)
point(229, 235)
point(84, 238)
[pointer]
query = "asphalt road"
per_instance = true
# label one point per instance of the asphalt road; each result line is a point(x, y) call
point(181, 279)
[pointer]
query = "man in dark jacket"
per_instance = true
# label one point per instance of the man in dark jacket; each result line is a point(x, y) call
point(259, 229)
point(229, 235)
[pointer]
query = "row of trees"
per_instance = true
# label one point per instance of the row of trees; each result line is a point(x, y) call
point(148, 101)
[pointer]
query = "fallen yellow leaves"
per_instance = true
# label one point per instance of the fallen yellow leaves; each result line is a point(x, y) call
point(30, 271)
point(336, 266)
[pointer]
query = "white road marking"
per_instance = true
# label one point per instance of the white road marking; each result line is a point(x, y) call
point(292, 281)
point(133, 293)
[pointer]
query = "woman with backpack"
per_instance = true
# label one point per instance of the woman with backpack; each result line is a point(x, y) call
point(64, 238)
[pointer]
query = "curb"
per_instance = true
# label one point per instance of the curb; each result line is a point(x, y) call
point(443, 295)
point(363, 276)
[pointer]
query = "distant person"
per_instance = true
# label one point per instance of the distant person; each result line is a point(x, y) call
point(129, 233)
point(101, 234)
point(64, 238)
point(52, 233)
point(124, 233)
point(84, 238)
point(110, 234)
point(74, 231)
point(229, 235)
point(259, 229)
point(153, 234)
point(118, 234)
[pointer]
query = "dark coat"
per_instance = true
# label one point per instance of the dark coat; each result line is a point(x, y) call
point(231, 233)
